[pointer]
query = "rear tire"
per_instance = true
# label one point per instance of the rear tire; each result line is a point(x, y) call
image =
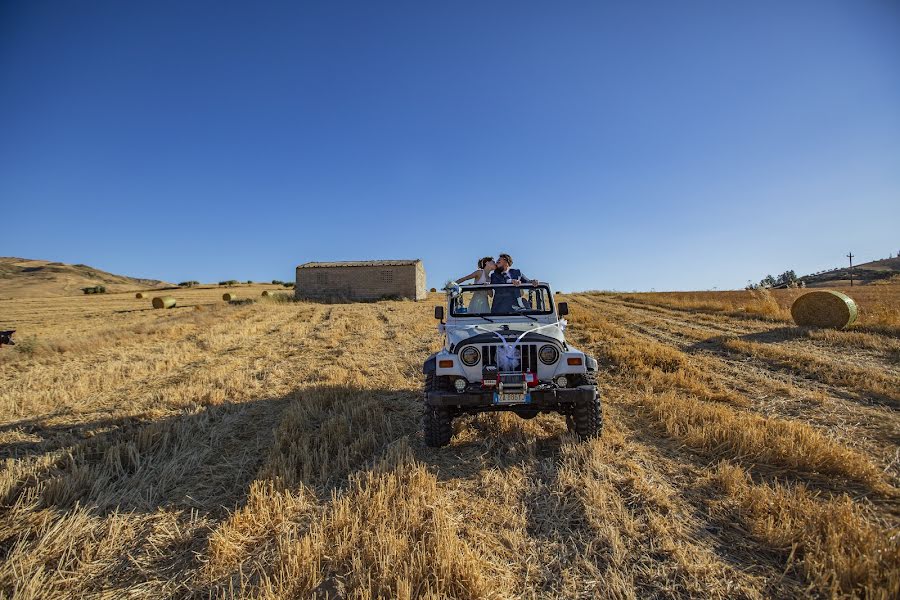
point(437, 422)
point(586, 419)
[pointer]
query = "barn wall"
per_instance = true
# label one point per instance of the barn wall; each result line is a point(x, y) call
point(361, 283)
point(421, 290)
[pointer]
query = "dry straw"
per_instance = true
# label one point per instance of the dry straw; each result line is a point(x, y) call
point(139, 295)
point(229, 297)
point(270, 292)
point(824, 309)
point(164, 302)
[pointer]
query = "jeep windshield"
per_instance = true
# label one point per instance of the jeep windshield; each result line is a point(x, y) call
point(502, 300)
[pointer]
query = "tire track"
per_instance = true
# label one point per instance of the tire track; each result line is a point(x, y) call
point(870, 429)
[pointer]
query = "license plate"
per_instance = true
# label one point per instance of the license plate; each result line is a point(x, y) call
point(511, 398)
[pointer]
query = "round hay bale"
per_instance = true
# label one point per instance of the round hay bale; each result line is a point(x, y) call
point(824, 309)
point(229, 297)
point(139, 295)
point(268, 293)
point(164, 302)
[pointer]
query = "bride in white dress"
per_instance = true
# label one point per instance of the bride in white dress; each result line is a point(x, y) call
point(479, 302)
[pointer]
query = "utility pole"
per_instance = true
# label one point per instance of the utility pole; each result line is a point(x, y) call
point(850, 256)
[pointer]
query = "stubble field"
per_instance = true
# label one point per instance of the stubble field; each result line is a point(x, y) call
point(273, 450)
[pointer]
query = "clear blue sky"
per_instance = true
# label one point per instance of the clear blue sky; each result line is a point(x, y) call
point(666, 145)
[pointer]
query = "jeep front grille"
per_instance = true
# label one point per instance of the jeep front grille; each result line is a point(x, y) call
point(528, 354)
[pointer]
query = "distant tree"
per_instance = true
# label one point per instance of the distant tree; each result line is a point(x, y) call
point(767, 282)
point(787, 278)
point(277, 282)
point(188, 283)
point(249, 281)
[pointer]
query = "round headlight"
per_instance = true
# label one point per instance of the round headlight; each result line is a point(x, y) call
point(460, 385)
point(470, 356)
point(548, 354)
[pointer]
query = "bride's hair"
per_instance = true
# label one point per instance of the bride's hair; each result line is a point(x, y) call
point(484, 261)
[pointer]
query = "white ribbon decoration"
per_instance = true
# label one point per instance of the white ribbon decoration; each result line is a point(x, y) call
point(508, 357)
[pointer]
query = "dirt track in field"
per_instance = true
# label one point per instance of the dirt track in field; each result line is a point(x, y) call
point(273, 450)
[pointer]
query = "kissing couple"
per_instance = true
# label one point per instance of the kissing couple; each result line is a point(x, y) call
point(496, 272)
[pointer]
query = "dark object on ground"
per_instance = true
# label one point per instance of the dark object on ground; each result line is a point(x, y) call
point(6, 337)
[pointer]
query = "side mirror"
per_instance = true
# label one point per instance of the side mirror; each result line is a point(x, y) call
point(439, 313)
point(562, 309)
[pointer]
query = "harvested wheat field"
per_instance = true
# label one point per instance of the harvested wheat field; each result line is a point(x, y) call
point(272, 449)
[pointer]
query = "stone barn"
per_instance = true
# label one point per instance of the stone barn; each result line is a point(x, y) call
point(362, 280)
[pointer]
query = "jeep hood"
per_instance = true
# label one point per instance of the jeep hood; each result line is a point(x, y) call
point(510, 331)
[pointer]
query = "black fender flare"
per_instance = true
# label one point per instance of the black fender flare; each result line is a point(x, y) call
point(590, 362)
point(430, 365)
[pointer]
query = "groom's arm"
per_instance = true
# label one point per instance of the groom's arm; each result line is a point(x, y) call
point(525, 279)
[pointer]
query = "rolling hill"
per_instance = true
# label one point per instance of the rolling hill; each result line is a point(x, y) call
point(27, 278)
point(865, 273)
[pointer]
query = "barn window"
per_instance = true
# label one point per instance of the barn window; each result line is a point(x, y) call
point(321, 277)
point(387, 277)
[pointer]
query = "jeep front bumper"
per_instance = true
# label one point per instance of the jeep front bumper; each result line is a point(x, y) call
point(539, 399)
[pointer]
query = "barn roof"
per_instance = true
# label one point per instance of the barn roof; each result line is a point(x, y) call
point(361, 263)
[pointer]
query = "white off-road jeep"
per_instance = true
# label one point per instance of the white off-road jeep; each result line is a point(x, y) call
point(505, 350)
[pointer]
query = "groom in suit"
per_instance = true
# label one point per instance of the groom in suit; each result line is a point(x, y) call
point(505, 298)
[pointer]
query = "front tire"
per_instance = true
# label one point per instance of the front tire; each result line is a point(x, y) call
point(586, 419)
point(437, 426)
point(437, 422)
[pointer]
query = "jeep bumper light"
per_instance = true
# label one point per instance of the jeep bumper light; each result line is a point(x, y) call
point(562, 381)
point(460, 385)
